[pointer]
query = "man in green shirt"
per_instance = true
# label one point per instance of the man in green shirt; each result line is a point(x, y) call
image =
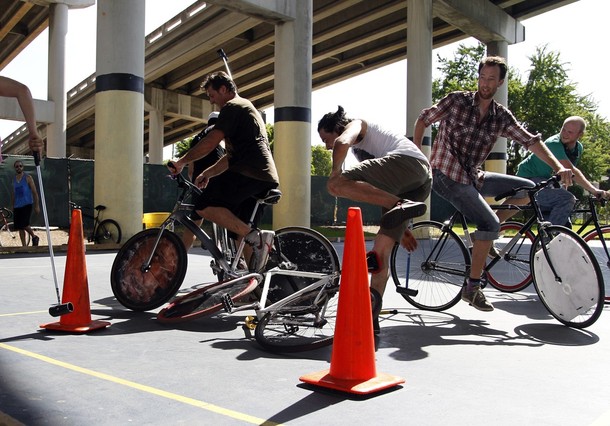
point(568, 150)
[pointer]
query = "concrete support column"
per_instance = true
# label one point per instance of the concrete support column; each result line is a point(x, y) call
point(155, 137)
point(119, 111)
point(58, 29)
point(292, 150)
point(496, 162)
point(419, 68)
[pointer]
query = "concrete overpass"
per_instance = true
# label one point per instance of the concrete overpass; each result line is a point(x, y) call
point(145, 93)
point(350, 37)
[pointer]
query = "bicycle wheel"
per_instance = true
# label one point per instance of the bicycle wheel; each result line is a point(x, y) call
point(576, 299)
point(603, 259)
point(140, 287)
point(108, 231)
point(436, 269)
point(302, 249)
point(304, 323)
point(207, 300)
point(511, 273)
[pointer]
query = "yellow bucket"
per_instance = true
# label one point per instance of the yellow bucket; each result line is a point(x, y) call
point(154, 220)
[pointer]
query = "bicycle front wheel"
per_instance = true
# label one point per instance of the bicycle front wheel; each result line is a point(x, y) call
point(141, 286)
point(108, 231)
point(594, 240)
point(436, 269)
point(574, 294)
point(511, 272)
point(207, 300)
point(305, 323)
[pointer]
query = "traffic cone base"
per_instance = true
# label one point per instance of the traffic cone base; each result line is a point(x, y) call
point(378, 383)
point(76, 285)
point(352, 364)
point(93, 325)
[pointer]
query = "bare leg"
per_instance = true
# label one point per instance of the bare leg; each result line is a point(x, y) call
point(188, 237)
point(361, 191)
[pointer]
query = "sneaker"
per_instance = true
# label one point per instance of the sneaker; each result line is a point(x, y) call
point(35, 240)
point(402, 211)
point(476, 298)
point(261, 242)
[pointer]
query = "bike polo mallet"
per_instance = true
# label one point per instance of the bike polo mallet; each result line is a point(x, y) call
point(225, 59)
point(60, 308)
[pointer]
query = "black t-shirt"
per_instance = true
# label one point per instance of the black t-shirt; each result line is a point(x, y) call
point(246, 140)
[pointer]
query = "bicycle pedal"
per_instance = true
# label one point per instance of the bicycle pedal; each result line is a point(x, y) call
point(407, 291)
point(227, 303)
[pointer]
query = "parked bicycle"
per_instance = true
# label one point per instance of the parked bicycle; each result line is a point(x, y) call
point(564, 270)
point(9, 235)
point(105, 231)
point(293, 298)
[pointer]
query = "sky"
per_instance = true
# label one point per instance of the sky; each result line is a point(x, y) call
point(577, 31)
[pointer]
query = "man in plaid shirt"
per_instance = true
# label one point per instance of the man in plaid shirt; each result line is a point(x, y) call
point(470, 123)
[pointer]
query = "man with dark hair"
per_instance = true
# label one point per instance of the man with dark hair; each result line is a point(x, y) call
point(392, 173)
point(246, 170)
point(24, 197)
point(470, 123)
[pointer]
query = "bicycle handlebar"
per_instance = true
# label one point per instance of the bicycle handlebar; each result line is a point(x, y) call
point(554, 180)
point(182, 181)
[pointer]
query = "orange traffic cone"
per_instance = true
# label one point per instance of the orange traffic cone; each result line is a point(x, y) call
point(76, 286)
point(352, 365)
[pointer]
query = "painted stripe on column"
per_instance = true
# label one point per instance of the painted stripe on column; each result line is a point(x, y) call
point(292, 114)
point(497, 156)
point(119, 81)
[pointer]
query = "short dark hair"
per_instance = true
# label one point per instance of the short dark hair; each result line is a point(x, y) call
point(217, 80)
point(493, 61)
point(334, 121)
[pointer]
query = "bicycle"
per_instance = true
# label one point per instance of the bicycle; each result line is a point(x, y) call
point(293, 297)
point(7, 226)
point(563, 268)
point(105, 231)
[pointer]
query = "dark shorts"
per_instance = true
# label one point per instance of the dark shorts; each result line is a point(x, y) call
point(21, 216)
point(236, 193)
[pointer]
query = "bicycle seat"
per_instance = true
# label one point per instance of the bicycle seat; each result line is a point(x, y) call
point(271, 197)
point(100, 207)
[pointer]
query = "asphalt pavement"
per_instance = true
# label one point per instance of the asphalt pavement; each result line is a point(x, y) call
point(515, 365)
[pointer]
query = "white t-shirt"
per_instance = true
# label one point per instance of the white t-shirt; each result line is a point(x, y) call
point(378, 142)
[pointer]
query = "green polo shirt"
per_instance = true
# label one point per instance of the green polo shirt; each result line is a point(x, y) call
point(532, 166)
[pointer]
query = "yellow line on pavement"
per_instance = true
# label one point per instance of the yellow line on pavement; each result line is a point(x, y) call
point(22, 313)
point(148, 389)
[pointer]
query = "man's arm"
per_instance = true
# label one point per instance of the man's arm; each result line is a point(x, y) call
point(214, 170)
point(34, 194)
point(343, 142)
point(581, 179)
point(418, 132)
point(200, 150)
point(14, 89)
point(543, 152)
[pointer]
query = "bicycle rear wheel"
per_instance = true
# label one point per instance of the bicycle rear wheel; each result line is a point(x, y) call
point(207, 300)
point(142, 287)
point(305, 323)
point(603, 259)
point(577, 298)
point(108, 231)
point(511, 273)
point(301, 249)
point(436, 268)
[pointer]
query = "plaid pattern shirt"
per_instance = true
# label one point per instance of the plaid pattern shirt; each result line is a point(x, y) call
point(463, 143)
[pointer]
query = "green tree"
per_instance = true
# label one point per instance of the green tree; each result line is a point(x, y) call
point(321, 161)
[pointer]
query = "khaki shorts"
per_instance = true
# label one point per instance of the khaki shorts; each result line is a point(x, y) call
point(400, 175)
